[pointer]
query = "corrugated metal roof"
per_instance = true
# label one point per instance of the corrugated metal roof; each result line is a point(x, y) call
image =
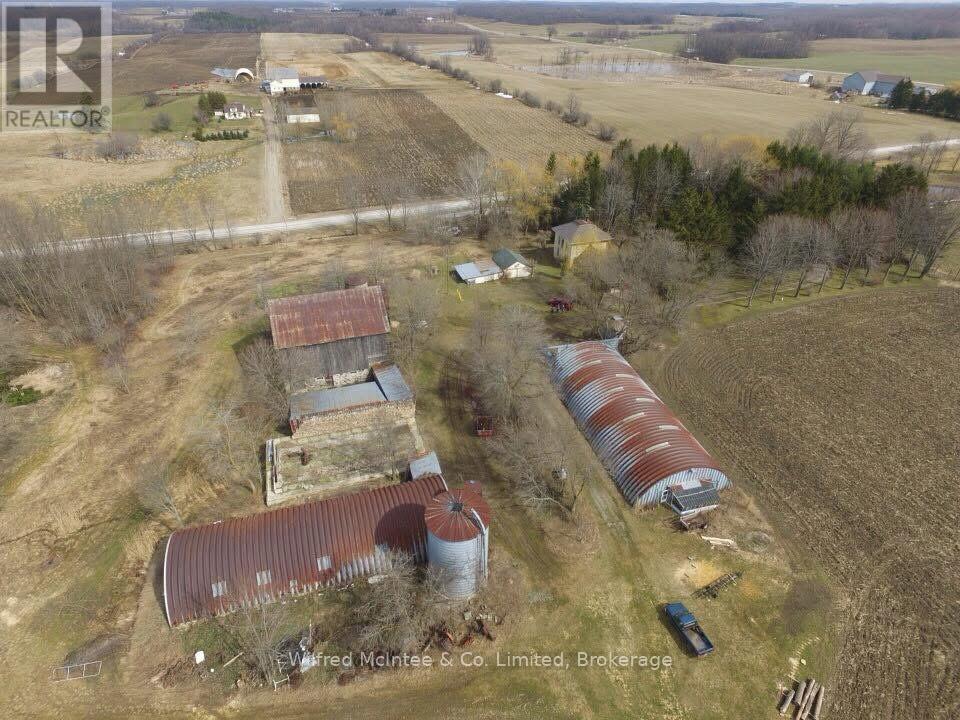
point(427, 464)
point(328, 316)
point(282, 73)
point(695, 498)
point(391, 382)
point(477, 269)
point(315, 402)
point(505, 257)
point(449, 515)
point(209, 570)
point(636, 436)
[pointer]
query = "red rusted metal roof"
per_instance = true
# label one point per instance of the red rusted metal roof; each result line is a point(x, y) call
point(212, 569)
point(328, 316)
point(637, 437)
point(449, 516)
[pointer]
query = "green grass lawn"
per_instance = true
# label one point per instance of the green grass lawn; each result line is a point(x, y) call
point(665, 42)
point(131, 115)
point(935, 61)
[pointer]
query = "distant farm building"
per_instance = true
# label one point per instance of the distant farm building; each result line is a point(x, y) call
point(331, 338)
point(800, 78)
point(234, 74)
point(211, 570)
point(504, 264)
point(572, 239)
point(345, 437)
point(281, 80)
point(871, 82)
point(648, 452)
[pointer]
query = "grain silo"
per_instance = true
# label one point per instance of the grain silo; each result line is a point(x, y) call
point(458, 535)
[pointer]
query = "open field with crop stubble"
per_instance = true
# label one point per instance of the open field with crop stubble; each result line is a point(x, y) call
point(401, 136)
point(672, 106)
point(181, 59)
point(842, 423)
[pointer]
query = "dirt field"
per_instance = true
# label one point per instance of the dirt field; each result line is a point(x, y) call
point(400, 135)
point(841, 424)
point(418, 125)
point(181, 59)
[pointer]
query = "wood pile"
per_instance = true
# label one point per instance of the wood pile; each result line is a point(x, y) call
point(807, 698)
point(721, 583)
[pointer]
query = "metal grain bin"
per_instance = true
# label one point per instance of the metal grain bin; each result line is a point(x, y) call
point(458, 536)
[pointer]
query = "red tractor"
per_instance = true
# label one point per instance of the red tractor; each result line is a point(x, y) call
point(559, 303)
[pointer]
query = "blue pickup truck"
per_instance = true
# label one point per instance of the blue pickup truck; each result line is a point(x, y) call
point(688, 628)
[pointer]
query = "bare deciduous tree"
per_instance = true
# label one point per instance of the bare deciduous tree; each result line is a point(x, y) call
point(394, 611)
point(265, 380)
point(541, 468)
point(839, 133)
point(476, 184)
point(764, 254)
point(85, 290)
point(505, 359)
point(152, 490)
point(414, 306)
point(259, 631)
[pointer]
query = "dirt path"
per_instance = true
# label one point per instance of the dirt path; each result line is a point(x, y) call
point(274, 181)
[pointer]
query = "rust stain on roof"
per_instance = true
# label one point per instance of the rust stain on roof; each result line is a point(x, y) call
point(328, 316)
point(636, 436)
point(449, 515)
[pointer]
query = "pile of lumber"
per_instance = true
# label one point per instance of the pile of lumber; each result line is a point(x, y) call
point(808, 699)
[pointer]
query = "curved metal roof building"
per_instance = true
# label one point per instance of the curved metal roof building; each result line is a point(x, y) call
point(213, 569)
point(643, 445)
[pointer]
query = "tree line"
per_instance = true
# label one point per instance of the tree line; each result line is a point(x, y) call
point(544, 13)
point(713, 198)
point(945, 103)
point(723, 47)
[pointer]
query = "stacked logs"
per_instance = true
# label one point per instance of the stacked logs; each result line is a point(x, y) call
point(808, 699)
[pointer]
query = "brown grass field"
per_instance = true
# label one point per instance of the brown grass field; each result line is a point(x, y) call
point(842, 424)
point(724, 99)
point(183, 59)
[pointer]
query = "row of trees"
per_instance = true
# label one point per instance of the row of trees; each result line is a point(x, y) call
point(851, 238)
point(87, 290)
point(714, 195)
point(945, 103)
point(724, 47)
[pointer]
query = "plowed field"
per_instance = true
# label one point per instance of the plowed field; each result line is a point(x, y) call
point(842, 418)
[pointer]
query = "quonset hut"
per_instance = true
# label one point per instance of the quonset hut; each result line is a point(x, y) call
point(210, 570)
point(648, 452)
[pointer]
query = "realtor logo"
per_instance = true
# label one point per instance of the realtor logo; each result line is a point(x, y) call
point(56, 74)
